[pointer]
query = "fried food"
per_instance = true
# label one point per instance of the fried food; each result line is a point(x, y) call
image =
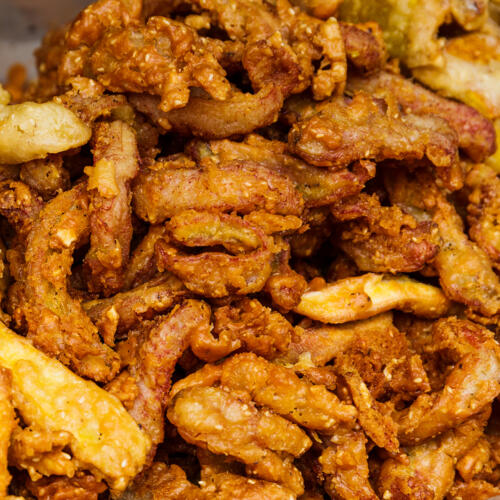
point(115, 165)
point(31, 131)
point(357, 298)
point(104, 437)
point(8, 423)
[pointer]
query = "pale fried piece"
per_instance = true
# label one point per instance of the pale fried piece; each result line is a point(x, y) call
point(228, 423)
point(322, 9)
point(162, 57)
point(464, 269)
point(56, 322)
point(483, 210)
point(47, 177)
point(41, 453)
point(30, 130)
point(217, 274)
point(473, 490)
point(165, 340)
point(364, 46)
point(279, 389)
point(318, 186)
point(162, 192)
point(245, 324)
point(372, 415)
point(7, 417)
point(469, 72)
point(342, 131)
point(81, 487)
point(105, 438)
point(115, 165)
point(126, 310)
point(344, 461)
point(383, 239)
point(363, 296)
point(476, 135)
point(428, 469)
point(142, 267)
point(474, 460)
point(472, 384)
point(210, 119)
point(274, 223)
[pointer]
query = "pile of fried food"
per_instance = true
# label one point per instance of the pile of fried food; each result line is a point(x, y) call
point(251, 251)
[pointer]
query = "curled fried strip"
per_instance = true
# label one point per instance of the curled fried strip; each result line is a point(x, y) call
point(115, 165)
point(370, 294)
point(476, 135)
point(126, 310)
point(471, 386)
point(56, 321)
point(210, 119)
point(228, 423)
point(217, 274)
point(7, 417)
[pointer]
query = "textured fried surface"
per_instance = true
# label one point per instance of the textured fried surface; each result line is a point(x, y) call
point(8, 421)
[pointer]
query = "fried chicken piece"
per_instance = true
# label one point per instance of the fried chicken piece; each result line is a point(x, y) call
point(483, 210)
point(81, 487)
point(363, 296)
point(383, 239)
point(245, 324)
point(160, 344)
point(472, 384)
point(115, 165)
point(344, 462)
point(476, 458)
point(56, 322)
point(50, 397)
point(126, 310)
point(228, 423)
point(217, 274)
point(473, 490)
point(7, 417)
point(162, 192)
point(427, 471)
point(274, 223)
point(207, 118)
point(464, 269)
point(340, 131)
point(41, 453)
point(316, 8)
point(476, 135)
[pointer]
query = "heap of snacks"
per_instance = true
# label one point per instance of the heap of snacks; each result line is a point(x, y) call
point(247, 256)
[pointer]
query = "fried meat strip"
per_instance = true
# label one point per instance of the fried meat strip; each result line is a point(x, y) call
point(363, 296)
point(48, 396)
point(383, 239)
point(476, 135)
point(162, 57)
point(247, 325)
point(207, 118)
point(7, 417)
point(344, 462)
point(464, 269)
point(228, 423)
point(473, 490)
point(483, 210)
point(56, 322)
point(472, 384)
point(81, 487)
point(339, 131)
point(126, 310)
point(179, 184)
point(217, 274)
point(158, 346)
point(115, 165)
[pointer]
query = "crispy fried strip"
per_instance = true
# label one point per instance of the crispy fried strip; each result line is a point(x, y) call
point(7, 417)
point(82, 487)
point(217, 274)
point(126, 310)
point(105, 438)
point(370, 294)
point(471, 386)
point(210, 119)
point(476, 135)
point(228, 423)
point(115, 165)
point(56, 321)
